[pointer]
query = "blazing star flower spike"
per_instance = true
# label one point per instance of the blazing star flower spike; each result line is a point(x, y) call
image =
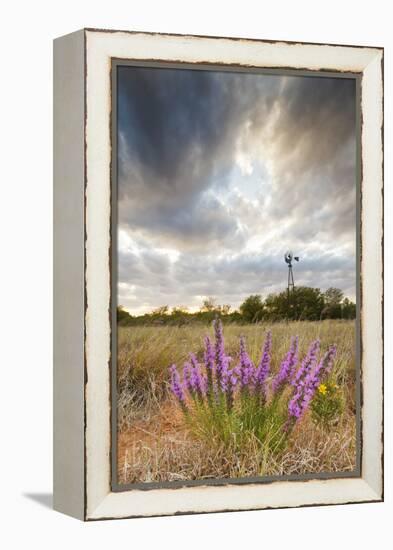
point(209, 354)
point(176, 385)
point(307, 364)
point(307, 385)
point(246, 367)
point(210, 368)
point(219, 349)
point(314, 378)
point(263, 369)
point(197, 380)
point(287, 366)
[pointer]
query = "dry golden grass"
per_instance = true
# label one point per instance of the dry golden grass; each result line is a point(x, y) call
point(154, 443)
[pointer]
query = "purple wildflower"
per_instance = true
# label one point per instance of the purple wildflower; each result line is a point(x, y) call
point(176, 386)
point(225, 375)
point(229, 381)
point(209, 354)
point(263, 368)
point(246, 367)
point(307, 385)
point(314, 377)
point(287, 366)
point(307, 364)
point(186, 376)
point(222, 361)
point(294, 406)
point(209, 362)
point(219, 349)
point(197, 380)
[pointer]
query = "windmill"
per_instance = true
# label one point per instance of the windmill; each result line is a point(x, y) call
point(288, 257)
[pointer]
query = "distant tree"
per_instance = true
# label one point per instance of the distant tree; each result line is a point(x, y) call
point(252, 308)
point(276, 306)
point(123, 317)
point(178, 309)
point(333, 298)
point(160, 311)
point(308, 303)
point(303, 302)
point(179, 315)
point(348, 309)
point(225, 309)
point(209, 304)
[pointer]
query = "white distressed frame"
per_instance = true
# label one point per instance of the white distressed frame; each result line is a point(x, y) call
point(100, 48)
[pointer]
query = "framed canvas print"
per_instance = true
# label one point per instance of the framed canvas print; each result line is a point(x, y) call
point(218, 341)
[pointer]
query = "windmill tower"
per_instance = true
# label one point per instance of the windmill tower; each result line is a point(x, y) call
point(289, 257)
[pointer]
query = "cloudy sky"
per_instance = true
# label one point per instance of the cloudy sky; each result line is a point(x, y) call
point(219, 173)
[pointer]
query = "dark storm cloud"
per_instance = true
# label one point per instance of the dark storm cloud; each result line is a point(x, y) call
point(319, 118)
point(193, 224)
point(180, 123)
point(210, 160)
point(178, 132)
point(162, 114)
point(315, 138)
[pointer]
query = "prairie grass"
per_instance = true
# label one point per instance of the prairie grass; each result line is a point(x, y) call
point(156, 444)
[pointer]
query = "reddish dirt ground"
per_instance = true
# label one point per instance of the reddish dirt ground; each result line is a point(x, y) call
point(149, 431)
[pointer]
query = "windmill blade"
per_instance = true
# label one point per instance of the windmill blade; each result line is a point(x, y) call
point(288, 256)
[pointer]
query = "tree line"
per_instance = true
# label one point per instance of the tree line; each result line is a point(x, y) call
point(302, 304)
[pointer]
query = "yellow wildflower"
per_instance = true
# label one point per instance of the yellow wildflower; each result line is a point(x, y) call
point(322, 389)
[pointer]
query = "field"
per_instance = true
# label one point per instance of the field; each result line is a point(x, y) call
point(156, 444)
